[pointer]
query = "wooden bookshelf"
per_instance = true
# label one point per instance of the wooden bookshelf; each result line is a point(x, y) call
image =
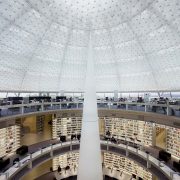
point(111, 161)
point(136, 131)
point(66, 126)
point(9, 139)
point(173, 141)
point(69, 159)
point(121, 163)
point(133, 130)
point(40, 123)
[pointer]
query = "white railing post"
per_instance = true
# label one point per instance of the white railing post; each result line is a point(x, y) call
point(19, 164)
point(172, 175)
point(126, 105)
point(107, 145)
point(51, 152)
point(41, 151)
point(71, 145)
point(127, 151)
point(42, 105)
point(141, 147)
point(30, 161)
point(51, 102)
point(7, 175)
point(148, 162)
point(109, 105)
point(137, 150)
point(22, 107)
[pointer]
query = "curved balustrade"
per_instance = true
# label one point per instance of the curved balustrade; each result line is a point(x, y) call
point(30, 161)
point(136, 154)
point(21, 109)
point(106, 172)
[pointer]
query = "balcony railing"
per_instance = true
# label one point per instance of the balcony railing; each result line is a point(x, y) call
point(51, 151)
point(21, 109)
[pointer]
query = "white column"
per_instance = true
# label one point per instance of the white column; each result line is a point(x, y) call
point(90, 165)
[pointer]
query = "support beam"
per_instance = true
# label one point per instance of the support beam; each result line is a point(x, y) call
point(90, 165)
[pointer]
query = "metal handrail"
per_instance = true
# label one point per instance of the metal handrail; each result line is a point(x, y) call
point(81, 102)
point(108, 105)
point(50, 149)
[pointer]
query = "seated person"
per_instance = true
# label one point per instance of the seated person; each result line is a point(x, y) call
point(67, 168)
point(113, 140)
point(108, 133)
point(73, 136)
point(79, 137)
point(59, 169)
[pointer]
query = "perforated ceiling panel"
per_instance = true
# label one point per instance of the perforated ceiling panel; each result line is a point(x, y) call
point(44, 44)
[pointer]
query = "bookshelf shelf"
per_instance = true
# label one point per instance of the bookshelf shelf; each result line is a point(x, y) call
point(66, 126)
point(68, 159)
point(173, 141)
point(136, 131)
point(9, 139)
point(111, 161)
point(120, 163)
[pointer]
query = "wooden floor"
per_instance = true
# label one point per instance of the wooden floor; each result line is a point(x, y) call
point(50, 176)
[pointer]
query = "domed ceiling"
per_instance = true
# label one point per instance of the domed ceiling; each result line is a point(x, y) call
point(44, 44)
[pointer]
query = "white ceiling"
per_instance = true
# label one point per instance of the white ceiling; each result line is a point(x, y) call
point(44, 44)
